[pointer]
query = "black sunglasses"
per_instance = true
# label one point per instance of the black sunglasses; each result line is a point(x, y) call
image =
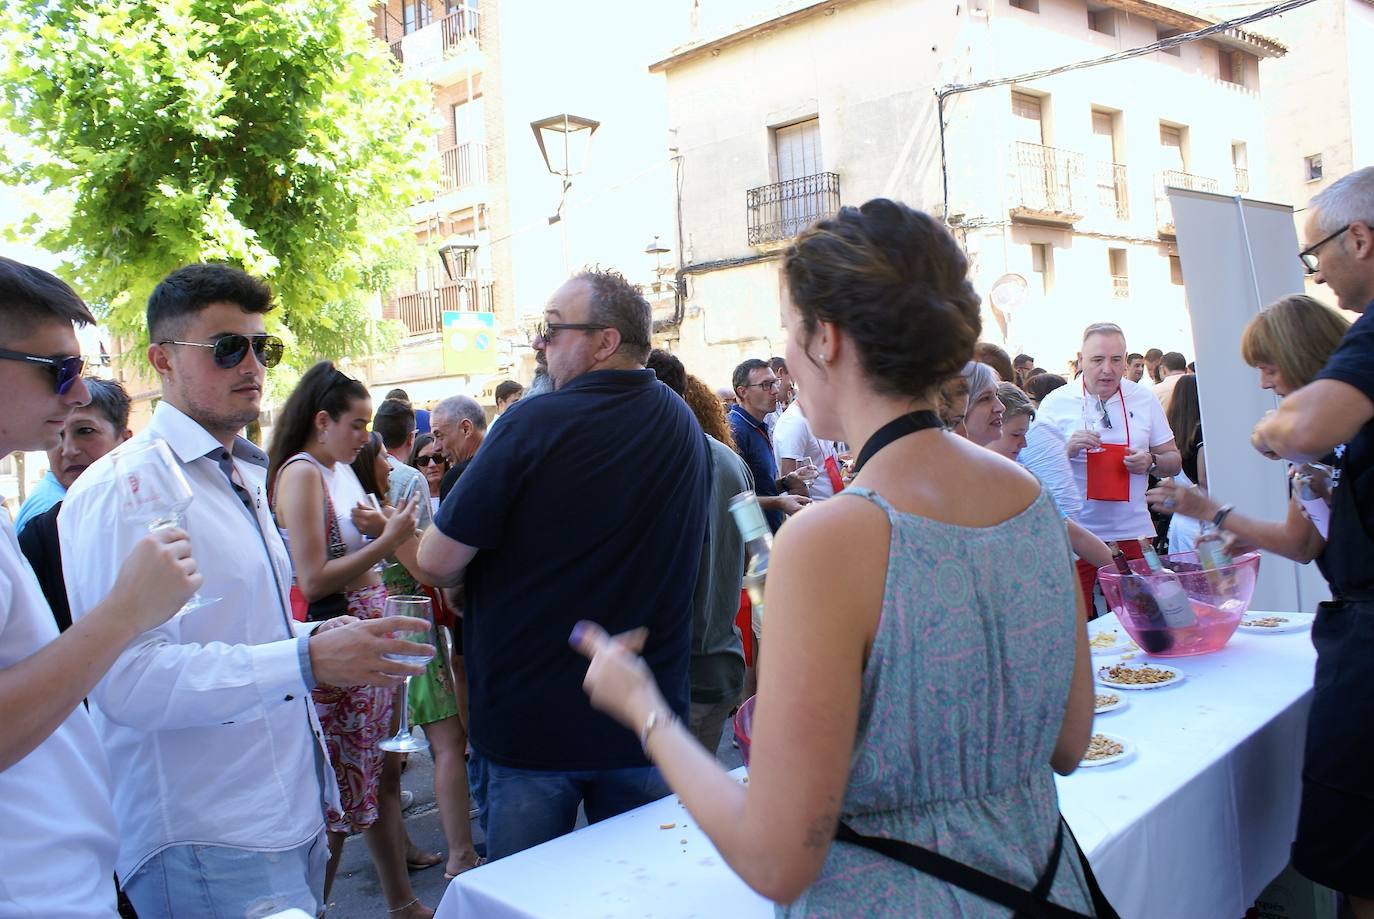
point(65, 370)
point(229, 350)
point(546, 330)
point(433, 458)
point(1308, 256)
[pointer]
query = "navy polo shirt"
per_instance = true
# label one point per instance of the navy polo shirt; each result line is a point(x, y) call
point(756, 447)
point(1348, 560)
point(588, 503)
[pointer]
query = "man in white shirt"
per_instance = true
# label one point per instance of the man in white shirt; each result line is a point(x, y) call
point(1174, 366)
point(57, 828)
point(1116, 437)
point(794, 444)
point(220, 774)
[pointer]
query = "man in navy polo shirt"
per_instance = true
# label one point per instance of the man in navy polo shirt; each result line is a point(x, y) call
point(756, 390)
point(587, 503)
point(1335, 838)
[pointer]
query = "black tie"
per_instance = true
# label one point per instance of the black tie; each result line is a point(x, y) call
point(226, 466)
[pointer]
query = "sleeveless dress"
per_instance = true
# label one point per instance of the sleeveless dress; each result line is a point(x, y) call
point(963, 696)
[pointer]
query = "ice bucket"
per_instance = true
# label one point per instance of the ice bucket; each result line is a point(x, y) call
point(1215, 602)
point(744, 726)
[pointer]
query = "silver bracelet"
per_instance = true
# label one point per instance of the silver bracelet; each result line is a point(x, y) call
point(652, 721)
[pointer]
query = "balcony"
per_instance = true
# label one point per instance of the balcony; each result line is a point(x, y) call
point(1242, 181)
point(1173, 178)
point(1111, 190)
point(783, 209)
point(462, 166)
point(1046, 183)
point(1121, 288)
point(422, 311)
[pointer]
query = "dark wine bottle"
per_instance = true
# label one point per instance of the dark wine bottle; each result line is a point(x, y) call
point(1136, 595)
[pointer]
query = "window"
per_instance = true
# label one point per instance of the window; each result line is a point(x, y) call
point(1042, 265)
point(1116, 267)
point(1111, 172)
point(1171, 153)
point(415, 14)
point(1030, 6)
point(1240, 164)
point(469, 121)
point(1161, 33)
point(1175, 271)
point(1102, 20)
point(1312, 167)
point(1027, 118)
point(1231, 66)
point(797, 150)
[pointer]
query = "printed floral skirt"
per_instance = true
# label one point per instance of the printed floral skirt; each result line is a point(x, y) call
point(355, 719)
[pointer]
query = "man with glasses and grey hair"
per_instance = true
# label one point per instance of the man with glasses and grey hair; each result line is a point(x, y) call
point(586, 503)
point(756, 395)
point(1335, 414)
point(1116, 437)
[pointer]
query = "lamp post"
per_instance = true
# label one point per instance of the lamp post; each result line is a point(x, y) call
point(657, 250)
point(563, 142)
point(456, 255)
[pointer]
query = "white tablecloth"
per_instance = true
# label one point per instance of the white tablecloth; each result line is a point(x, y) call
point(1194, 824)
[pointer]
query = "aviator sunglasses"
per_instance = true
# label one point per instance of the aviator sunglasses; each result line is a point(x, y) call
point(229, 350)
point(65, 370)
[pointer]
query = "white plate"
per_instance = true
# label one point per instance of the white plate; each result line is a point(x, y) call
point(1116, 706)
point(1295, 623)
point(1127, 748)
point(1102, 678)
point(1122, 644)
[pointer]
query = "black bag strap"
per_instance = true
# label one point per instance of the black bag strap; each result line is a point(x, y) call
point(1102, 907)
point(1027, 904)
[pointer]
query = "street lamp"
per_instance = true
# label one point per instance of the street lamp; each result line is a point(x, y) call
point(657, 250)
point(456, 255)
point(563, 142)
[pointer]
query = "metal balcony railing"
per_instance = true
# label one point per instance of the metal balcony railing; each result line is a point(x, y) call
point(784, 209)
point(422, 311)
point(1121, 287)
point(1047, 180)
point(459, 26)
point(1173, 178)
point(1111, 190)
point(462, 166)
point(1242, 181)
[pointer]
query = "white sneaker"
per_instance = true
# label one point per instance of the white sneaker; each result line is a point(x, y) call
point(407, 799)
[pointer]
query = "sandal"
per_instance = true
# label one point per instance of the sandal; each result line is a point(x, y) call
point(478, 863)
point(422, 860)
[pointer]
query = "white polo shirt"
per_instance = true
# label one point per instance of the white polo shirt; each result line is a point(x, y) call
point(1133, 408)
point(792, 439)
point(57, 826)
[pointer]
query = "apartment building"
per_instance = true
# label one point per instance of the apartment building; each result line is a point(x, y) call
point(1059, 179)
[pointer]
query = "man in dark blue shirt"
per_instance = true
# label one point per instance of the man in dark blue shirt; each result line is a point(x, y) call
point(1335, 842)
point(756, 390)
point(588, 503)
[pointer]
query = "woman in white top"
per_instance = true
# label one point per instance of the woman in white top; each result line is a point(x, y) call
point(1288, 343)
point(320, 503)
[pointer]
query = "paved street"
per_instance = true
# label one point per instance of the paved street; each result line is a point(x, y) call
point(356, 894)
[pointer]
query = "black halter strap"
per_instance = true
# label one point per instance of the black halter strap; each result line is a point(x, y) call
point(894, 430)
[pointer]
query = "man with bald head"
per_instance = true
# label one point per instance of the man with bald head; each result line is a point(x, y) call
point(1335, 414)
point(1117, 437)
point(586, 503)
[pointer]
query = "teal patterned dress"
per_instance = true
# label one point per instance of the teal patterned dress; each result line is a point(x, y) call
point(963, 696)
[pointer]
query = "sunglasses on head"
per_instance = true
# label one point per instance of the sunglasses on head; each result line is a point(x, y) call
point(65, 370)
point(229, 350)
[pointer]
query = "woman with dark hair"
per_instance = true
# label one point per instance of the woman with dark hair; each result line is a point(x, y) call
point(897, 623)
point(430, 460)
point(1185, 420)
point(322, 509)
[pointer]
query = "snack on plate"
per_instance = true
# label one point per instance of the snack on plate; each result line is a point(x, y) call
point(1103, 699)
point(1266, 622)
point(1121, 673)
point(1101, 747)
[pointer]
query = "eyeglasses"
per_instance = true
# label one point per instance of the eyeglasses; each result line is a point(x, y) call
point(546, 330)
point(65, 370)
point(229, 350)
point(766, 384)
point(433, 458)
point(1308, 256)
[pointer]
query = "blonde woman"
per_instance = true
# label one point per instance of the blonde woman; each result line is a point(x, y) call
point(1288, 344)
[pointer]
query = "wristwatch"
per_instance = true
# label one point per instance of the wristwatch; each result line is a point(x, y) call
point(1221, 515)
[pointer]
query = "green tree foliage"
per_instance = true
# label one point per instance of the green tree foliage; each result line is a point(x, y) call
point(277, 135)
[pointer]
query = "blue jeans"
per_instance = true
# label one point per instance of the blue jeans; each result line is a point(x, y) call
point(525, 807)
point(219, 882)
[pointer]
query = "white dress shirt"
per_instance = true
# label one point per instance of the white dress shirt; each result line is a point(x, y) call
point(207, 720)
point(1144, 418)
point(57, 829)
point(1046, 456)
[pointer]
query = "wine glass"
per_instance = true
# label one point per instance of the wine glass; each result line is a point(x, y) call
point(807, 470)
point(1092, 420)
point(418, 608)
point(154, 492)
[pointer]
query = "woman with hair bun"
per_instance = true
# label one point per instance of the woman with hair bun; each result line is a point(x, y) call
point(921, 688)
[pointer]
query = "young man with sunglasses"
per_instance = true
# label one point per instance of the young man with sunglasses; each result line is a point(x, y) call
point(57, 825)
point(1116, 438)
point(220, 775)
point(1334, 845)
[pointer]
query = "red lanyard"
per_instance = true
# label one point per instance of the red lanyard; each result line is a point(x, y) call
point(1125, 417)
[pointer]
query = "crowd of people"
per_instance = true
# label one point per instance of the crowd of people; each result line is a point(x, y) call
point(239, 670)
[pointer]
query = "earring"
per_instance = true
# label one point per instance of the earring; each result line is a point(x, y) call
point(822, 358)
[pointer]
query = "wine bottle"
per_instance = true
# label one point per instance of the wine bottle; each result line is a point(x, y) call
point(1216, 561)
point(758, 545)
point(1168, 590)
point(1140, 602)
